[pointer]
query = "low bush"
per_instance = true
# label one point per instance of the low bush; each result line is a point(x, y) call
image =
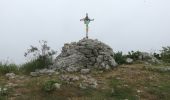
point(49, 86)
point(34, 64)
point(8, 68)
point(157, 56)
point(134, 55)
point(165, 54)
point(120, 58)
point(3, 91)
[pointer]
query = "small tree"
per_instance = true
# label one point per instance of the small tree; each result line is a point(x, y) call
point(40, 57)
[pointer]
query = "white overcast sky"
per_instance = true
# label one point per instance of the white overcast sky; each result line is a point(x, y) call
point(123, 24)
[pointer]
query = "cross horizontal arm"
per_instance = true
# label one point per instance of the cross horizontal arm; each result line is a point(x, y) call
point(82, 19)
point(91, 19)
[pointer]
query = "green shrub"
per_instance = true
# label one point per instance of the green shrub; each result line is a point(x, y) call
point(49, 86)
point(157, 55)
point(34, 64)
point(120, 58)
point(165, 54)
point(8, 68)
point(134, 55)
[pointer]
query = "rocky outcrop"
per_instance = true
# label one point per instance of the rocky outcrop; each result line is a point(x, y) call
point(87, 53)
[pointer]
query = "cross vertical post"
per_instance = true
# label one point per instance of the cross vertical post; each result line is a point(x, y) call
point(86, 22)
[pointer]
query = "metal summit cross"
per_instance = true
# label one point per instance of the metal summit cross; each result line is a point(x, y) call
point(87, 21)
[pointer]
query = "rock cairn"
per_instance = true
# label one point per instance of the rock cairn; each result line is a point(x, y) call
point(86, 53)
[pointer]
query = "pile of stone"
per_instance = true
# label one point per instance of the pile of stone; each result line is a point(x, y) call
point(85, 54)
point(44, 71)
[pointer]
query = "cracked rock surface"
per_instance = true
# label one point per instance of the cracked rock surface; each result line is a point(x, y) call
point(86, 53)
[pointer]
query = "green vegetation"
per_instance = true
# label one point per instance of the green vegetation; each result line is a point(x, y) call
point(34, 64)
point(49, 85)
point(120, 58)
point(134, 55)
point(120, 92)
point(8, 68)
point(165, 54)
point(40, 57)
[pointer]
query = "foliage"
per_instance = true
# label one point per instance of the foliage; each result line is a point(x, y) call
point(134, 55)
point(8, 68)
point(49, 86)
point(40, 57)
point(3, 91)
point(35, 64)
point(165, 54)
point(120, 58)
point(157, 55)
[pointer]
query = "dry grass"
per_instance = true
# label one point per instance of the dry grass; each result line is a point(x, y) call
point(131, 82)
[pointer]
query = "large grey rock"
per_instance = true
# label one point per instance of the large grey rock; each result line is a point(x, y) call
point(86, 53)
point(10, 75)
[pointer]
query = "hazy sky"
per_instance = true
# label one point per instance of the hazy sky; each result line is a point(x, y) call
point(123, 24)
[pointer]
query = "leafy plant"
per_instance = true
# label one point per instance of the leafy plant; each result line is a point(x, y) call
point(49, 86)
point(120, 58)
point(157, 55)
point(8, 68)
point(3, 91)
point(134, 55)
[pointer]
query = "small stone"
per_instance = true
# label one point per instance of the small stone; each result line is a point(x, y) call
point(57, 85)
point(118, 78)
point(138, 91)
point(107, 67)
point(71, 69)
point(125, 85)
point(11, 85)
point(85, 71)
point(57, 73)
point(69, 78)
point(34, 74)
point(81, 86)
